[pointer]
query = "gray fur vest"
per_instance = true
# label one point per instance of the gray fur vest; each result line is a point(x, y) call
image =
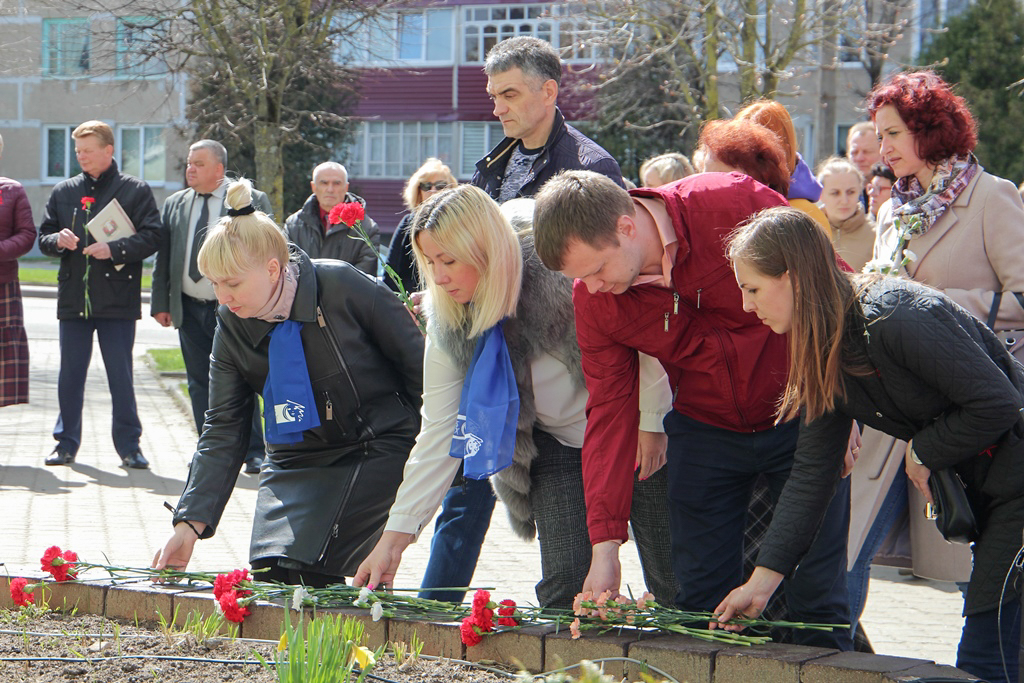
point(544, 323)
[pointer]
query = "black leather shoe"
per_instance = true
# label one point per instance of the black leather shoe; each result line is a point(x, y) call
point(135, 461)
point(253, 466)
point(59, 456)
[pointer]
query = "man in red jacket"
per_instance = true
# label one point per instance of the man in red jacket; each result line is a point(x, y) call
point(652, 277)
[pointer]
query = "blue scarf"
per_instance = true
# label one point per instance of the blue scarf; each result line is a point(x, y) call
point(288, 404)
point(485, 429)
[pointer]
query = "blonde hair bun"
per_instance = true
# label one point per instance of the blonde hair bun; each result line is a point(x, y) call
point(239, 194)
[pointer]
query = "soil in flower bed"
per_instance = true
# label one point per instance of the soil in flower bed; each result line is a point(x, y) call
point(132, 654)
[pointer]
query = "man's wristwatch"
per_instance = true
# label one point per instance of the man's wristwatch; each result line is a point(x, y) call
point(913, 456)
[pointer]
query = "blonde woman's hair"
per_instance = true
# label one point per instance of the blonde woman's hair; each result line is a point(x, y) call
point(238, 244)
point(432, 166)
point(669, 167)
point(783, 240)
point(469, 227)
point(835, 165)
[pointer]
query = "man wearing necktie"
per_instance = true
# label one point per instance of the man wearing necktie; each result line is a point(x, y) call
point(181, 295)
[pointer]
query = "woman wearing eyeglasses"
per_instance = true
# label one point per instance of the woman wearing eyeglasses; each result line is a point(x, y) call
point(429, 179)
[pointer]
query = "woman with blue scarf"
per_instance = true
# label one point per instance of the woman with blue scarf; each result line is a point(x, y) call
point(338, 361)
point(504, 394)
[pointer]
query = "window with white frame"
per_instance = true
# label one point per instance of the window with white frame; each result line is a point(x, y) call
point(564, 26)
point(65, 47)
point(59, 154)
point(478, 138)
point(395, 149)
point(143, 152)
point(402, 38)
point(134, 34)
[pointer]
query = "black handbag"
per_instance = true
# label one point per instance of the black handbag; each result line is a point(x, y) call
point(952, 509)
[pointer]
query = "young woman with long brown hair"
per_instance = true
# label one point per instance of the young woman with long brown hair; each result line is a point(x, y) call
point(906, 360)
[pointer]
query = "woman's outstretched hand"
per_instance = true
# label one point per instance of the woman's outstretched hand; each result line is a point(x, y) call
point(178, 550)
point(747, 601)
point(380, 566)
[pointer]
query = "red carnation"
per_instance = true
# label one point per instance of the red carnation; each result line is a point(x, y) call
point(480, 599)
point(18, 594)
point(87, 203)
point(484, 619)
point(61, 567)
point(470, 636)
point(348, 213)
point(507, 613)
point(232, 581)
point(483, 611)
point(228, 602)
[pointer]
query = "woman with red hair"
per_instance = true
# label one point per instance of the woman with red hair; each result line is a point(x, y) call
point(957, 228)
point(804, 189)
point(744, 146)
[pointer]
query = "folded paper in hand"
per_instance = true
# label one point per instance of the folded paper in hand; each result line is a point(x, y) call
point(111, 223)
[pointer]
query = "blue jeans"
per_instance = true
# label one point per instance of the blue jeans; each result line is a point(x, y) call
point(711, 477)
point(458, 536)
point(979, 654)
point(892, 508)
point(116, 338)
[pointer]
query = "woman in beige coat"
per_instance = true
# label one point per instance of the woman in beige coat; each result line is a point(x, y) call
point(951, 225)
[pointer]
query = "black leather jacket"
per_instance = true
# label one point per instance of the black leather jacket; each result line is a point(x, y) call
point(322, 501)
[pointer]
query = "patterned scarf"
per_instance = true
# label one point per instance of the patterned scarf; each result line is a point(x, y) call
point(910, 198)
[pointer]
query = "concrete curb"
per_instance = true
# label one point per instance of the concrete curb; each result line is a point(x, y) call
point(47, 292)
point(536, 648)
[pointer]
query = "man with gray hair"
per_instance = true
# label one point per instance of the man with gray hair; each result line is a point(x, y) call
point(181, 296)
point(523, 76)
point(310, 229)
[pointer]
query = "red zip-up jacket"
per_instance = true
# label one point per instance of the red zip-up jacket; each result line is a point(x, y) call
point(727, 369)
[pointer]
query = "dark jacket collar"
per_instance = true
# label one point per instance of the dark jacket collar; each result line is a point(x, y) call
point(303, 308)
point(104, 178)
point(508, 144)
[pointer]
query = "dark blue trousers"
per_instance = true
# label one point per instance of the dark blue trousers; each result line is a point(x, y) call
point(979, 650)
point(459, 533)
point(116, 338)
point(198, 324)
point(711, 476)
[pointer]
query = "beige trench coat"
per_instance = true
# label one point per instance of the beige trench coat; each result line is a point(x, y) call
point(975, 249)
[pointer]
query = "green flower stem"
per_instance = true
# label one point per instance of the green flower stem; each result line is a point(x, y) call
point(403, 295)
point(404, 604)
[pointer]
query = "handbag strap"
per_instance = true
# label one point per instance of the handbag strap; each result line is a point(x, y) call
point(997, 300)
point(993, 312)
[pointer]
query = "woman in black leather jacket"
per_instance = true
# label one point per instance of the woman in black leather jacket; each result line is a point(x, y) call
point(341, 406)
point(906, 360)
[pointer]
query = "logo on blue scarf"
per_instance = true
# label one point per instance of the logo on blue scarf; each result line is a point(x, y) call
point(290, 411)
point(471, 443)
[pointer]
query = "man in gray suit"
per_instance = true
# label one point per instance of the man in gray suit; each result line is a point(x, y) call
point(181, 295)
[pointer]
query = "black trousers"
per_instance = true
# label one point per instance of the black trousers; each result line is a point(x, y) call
point(198, 324)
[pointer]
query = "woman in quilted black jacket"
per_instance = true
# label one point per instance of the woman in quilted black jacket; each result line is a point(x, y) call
point(905, 359)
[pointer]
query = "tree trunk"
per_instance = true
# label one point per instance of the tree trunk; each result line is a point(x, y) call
point(826, 118)
point(270, 166)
